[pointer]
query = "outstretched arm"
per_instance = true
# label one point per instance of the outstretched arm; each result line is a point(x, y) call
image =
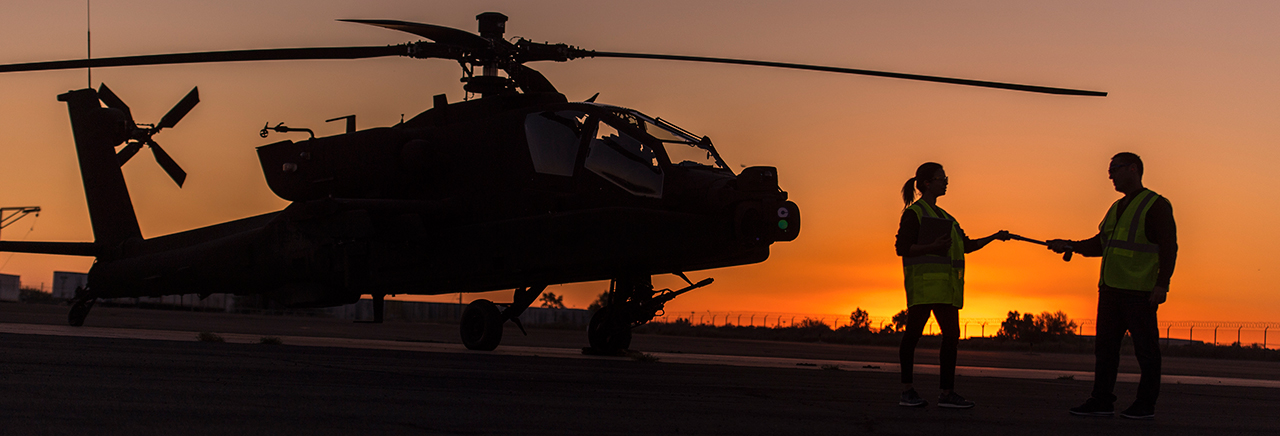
point(972, 245)
point(1091, 247)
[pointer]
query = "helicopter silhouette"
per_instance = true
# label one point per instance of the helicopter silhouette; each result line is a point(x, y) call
point(518, 189)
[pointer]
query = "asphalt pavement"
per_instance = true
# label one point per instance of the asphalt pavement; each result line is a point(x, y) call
point(102, 385)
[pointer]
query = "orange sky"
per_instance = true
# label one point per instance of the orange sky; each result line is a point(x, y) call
point(1192, 85)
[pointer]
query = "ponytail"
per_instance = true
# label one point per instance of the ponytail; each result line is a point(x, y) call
point(909, 192)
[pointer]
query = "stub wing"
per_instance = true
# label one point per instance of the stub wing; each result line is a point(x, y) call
point(64, 248)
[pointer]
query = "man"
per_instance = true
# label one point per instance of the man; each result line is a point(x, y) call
point(1138, 243)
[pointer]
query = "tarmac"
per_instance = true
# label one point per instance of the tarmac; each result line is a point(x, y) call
point(132, 371)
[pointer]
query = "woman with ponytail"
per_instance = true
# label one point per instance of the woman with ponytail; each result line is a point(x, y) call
point(934, 277)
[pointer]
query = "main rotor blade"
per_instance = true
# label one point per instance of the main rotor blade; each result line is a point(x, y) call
point(112, 101)
point(447, 35)
point(954, 81)
point(127, 152)
point(170, 166)
point(271, 54)
point(180, 110)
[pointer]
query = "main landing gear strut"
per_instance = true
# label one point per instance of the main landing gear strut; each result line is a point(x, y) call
point(80, 306)
point(482, 321)
point(632, 302)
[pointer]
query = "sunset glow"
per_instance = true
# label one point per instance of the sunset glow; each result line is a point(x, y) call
point(1192, 86)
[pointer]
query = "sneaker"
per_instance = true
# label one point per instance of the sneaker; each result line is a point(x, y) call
point(1093, 407)
point(1139, 411)
point(911, 399)
point(953, 400)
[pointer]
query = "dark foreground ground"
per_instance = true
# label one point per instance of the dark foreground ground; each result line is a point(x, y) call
point(74, 385)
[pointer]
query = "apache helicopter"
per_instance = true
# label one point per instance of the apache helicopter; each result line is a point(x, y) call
point(518, 189)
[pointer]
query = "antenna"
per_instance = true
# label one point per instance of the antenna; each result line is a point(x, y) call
point(88, 37)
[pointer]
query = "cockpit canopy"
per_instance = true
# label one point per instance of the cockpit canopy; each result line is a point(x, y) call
point(624, 146)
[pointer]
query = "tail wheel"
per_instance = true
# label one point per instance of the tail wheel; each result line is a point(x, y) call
point(481, 326)
point(609, 330)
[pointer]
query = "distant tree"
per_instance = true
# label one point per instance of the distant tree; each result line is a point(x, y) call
point(1032, 329)
point(552, 301)
point(860, 320)
point(1019, 327)
point(810, 323)
point(602, 300)
point(1057, 324)
point(900, 321)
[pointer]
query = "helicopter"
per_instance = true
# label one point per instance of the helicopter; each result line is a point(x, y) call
point(518, 189)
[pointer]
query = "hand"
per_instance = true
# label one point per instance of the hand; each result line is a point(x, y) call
point(1058, 245)
point(1002, 235)
point(1159, 295)
point(941, 242)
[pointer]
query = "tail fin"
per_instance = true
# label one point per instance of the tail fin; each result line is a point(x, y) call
point(98, 131)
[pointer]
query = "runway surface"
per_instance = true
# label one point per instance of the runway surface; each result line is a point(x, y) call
point(110, 382)
point(576, 353)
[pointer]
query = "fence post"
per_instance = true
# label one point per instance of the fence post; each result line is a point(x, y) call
point(1215, 335)
point(966, 329)
point(984, 329)
point(1238, 344)
point(1166, 334)
point(792, 323)
point(739, 320)
point(1191, 334)
point(753, 320)
point(1264, 337)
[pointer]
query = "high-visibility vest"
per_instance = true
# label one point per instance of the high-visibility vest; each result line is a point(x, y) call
point(1129, 259)
point(931, 278)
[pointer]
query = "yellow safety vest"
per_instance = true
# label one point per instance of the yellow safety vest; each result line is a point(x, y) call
point(931, 278)
point(1129, 259)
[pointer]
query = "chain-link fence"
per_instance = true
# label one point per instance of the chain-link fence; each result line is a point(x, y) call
point(1209, 332)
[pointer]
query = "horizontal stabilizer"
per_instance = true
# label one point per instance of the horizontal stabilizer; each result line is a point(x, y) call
point(65, 248)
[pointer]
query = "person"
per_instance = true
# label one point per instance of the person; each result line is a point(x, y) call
point(1138, 243)
point(934, 277)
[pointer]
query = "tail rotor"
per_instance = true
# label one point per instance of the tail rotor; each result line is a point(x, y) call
point(140, 134)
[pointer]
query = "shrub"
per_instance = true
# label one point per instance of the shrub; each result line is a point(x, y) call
point(33, 295)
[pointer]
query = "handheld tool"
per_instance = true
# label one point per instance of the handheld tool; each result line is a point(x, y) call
point(1065, 256)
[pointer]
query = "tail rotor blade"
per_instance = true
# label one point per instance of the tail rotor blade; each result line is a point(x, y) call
point(114, 102)
point(170, 166)
point(127, 152)
point(180, 110)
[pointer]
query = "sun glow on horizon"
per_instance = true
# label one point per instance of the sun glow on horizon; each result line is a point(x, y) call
point(1194, 100)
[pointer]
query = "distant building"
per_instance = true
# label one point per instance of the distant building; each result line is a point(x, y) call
point(65, 284)
point(10, 286)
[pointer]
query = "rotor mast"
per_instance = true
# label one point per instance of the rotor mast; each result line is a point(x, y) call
point(492, 26)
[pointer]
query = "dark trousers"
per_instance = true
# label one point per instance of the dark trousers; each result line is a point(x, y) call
point(948, 317)
point(1119, 312)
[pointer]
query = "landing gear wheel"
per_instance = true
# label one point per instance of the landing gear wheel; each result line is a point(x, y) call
point(481, 326)
point(79, 310)
point(608, 331)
